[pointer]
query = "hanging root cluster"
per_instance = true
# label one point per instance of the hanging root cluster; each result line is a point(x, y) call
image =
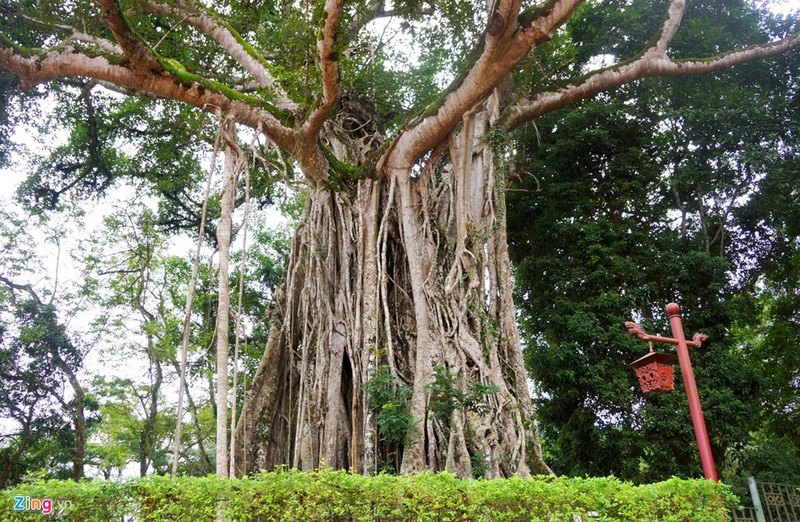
point(393, 344)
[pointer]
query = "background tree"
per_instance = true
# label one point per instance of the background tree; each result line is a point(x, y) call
point(38, 359)
point(650, 194)
point(39, 433)
point(400, 257)
point(127, 273)
point(118, 439)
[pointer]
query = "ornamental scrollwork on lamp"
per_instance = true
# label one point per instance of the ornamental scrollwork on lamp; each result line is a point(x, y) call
point(637, 330)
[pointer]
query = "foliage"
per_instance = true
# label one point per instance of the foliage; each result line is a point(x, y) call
point(39, 360)
point(339, 495)
point(629, 206)
point(33, 373)
point(389, 401)
point(446, 397)
point(137, 288)
point(766, 458)
point(129, 431)
point(667, 190)
point(134, 286)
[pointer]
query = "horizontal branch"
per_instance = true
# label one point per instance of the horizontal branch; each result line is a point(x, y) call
point(653, 62)
point(193, 90)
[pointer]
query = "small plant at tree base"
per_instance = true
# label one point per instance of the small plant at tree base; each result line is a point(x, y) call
point(480, 464)
point(387, 467)
point(446, 397)
point(390, 403)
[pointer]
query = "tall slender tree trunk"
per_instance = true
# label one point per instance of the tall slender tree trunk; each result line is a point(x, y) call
point(238, 327)
point(79, 419)
point(183, 387)
point(147, 440)
point(229, 179)
point(407, 271)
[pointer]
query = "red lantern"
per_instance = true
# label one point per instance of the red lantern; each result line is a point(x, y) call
point(655, 375)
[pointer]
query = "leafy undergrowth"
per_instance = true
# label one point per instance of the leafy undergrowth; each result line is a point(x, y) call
point(342, 496)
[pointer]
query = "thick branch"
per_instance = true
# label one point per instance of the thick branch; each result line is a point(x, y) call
point(66, 63)
point(506, 43)
point(653, 62)
point(227, 38)
point(141, 57)
point(545, 20)
point(329, 66)
point(670, 27)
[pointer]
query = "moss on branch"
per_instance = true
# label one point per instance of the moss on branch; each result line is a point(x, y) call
point(339, 168)
point(188, 79)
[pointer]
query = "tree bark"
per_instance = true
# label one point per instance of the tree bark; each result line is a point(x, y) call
point(147, 440)
point(224, 227)
point(412, 273)
point(79, 419)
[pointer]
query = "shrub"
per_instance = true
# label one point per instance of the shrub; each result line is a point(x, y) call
point(343, 496)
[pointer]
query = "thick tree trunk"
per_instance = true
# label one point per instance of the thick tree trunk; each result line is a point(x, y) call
point(406, 274)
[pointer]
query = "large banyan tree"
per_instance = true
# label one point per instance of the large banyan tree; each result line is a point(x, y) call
point(393, 335)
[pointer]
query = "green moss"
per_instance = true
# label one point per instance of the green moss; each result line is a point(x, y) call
point(340, 168)
point(26, 52)
point(530, 14)
point(246, 46)
point(188, 79)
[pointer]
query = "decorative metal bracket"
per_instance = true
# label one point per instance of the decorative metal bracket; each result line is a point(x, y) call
point(637, 330)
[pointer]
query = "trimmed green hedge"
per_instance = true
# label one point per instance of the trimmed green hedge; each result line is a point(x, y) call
point(340, 496)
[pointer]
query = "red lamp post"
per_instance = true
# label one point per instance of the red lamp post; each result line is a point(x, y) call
point(646, 378)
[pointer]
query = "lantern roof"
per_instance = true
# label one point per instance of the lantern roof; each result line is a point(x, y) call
point(663, 358)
